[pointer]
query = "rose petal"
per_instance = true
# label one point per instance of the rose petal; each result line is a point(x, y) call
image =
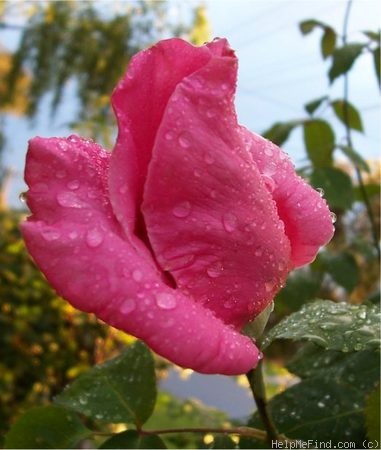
point(139, 102)
point(304, 213)
point(210, 219)
point(78, 244)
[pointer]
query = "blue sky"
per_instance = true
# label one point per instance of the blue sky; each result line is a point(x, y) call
point(279, 71)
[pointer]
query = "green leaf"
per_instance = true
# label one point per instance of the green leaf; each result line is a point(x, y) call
point(343, 59)
point(335, 326)
point(371, 190)
point(347, 114)
point(301, 286)
point(46, 427)
point(319, 140)
point(308, 25)
point(337, 186)
point(372, 415)
point(376, 63)
point(342, 267)
point(328, 42)
point(312, 106)
point(120, 390)
point(355, 368)
point(355, 157)
point(132, 439)
point(373, 35)
point(328, 406)
point(280, 131)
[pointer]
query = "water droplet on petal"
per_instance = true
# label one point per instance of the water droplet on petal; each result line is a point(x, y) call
point(60, 174)
point(197, 173)
point(268, 151)
point(269, 182)
point(127, 306)
point(182, 209)
point(137, 275)
point(211, 113)
point(94, 238)
point(229, 222)
point(184, 141)
point(215, 269)
point(169, 135)
point(209, 158)
point(165, 300)
point(269, 286)
point(258, 251)
point(23, 197)
point(50, 235)
point(320, 191)
point(73, 235)
point(68, 200)
point(73, 185)
point(123, 189)
point(333, 217)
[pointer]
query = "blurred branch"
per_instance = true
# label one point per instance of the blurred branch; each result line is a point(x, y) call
point(348, 137)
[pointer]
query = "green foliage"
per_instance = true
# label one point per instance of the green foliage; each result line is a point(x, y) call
point(44, 342)
point(319, 140)
point(334, 326)
point(372, 415)
point(313, 105)
point(122, 390)
point(133, 439)
point(333, 393)
point(328, 41)
point(336, 184)
point(342, 267)
point(47, 427)
point(347, 114)
point(301, 287)
point(280, 131)
point(343, 59)
point(355, 157)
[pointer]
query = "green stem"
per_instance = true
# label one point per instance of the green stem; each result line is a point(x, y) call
point(348, 137)
point(257, 386)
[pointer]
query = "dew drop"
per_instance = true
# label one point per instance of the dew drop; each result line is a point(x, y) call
point(258, 251)
point(269, 182)
point(23, 197)
point(184, 141)
point(82, 400)
point(321, 404)
point(320, 191)
point(94, 238)
point(182, 210)
point(197, 173)
point(50, 235)
point(127, 306)
point(215, 270)
point(123, 189)
point(169, 135)
point(361, 314)
point(73, 185)
point(68, 200)
point(137, 275)
point(268, 151)
point(60, 174)
point(211, 113)
point(73, 235)
point(229, 222)
point(209, 158)
point(333, 217)
point(269, 286)
point(165, 300)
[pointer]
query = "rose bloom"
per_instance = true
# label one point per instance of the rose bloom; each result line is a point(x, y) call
point(187, 230)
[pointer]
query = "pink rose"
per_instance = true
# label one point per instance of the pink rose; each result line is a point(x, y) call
point(187, 230)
